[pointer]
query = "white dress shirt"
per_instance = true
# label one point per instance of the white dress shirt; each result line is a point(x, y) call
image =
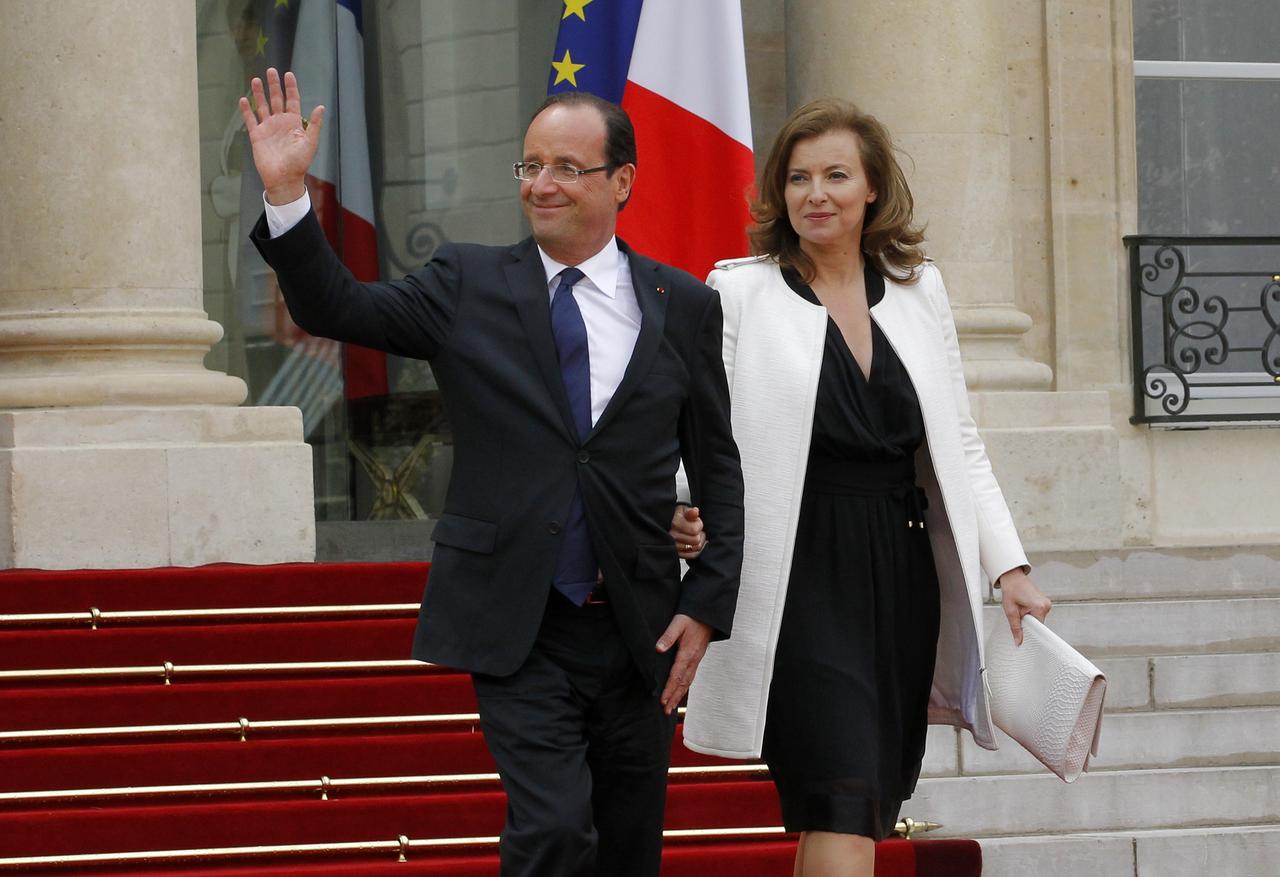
point(605, 295)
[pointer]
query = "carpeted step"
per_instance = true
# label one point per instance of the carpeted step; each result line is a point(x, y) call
point(411, 753)
point(712, 858)
point(452, 812)
point(206, 699)
point(230, 761)
point(216, 586)
point(239, 643)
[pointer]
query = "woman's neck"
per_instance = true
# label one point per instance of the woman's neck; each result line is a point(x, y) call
point(835, 266)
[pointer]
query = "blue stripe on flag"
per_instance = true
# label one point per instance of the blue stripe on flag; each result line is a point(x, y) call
point(602, 43)
point(357, 10)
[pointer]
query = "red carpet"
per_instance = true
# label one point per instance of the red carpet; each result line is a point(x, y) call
point(351, 747)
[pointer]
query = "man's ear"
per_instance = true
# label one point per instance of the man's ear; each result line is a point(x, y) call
point(624, 179)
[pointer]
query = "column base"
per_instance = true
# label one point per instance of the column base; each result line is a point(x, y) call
point(129, 487)
point(1057, 458)
point(990, 348)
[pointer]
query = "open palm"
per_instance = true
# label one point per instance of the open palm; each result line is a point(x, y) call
point(283, 146)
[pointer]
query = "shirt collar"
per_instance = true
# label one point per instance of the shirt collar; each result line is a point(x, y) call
point(601, 270)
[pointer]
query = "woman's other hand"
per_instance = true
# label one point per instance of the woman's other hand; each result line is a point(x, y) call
point(686, 530)
point(1020, 597)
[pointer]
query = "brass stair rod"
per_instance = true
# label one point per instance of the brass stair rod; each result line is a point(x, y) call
point(322, 786)
point(169, 670)
point(95, 616)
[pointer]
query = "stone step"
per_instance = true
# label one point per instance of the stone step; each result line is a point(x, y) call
point(1028, 804)
point(1213, 680)
point(1182, 681)
point(1231, 851)
point(1142, 574)
point(1164, 627)
point(1159, 739)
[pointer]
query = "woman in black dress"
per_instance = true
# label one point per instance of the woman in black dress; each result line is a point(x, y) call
point(836, 644)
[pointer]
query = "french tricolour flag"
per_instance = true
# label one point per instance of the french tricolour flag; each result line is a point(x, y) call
point(679, 70)
point(328, 59)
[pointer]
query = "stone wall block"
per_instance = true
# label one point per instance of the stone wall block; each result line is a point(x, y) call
point(211, 487)
point(87, 508)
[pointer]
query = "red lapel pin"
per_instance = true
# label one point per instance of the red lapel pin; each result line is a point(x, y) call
point(661, 290)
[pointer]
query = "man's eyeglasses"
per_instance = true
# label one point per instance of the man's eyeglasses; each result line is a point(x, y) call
point(527, 171)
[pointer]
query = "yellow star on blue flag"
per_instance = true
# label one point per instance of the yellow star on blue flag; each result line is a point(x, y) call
point(566, 70)
point(575, 7)
point(600, 42)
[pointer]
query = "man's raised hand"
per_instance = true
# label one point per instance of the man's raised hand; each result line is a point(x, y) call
point(283, 146)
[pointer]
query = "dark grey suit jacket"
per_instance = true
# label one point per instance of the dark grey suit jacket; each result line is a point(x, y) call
point(481, 316)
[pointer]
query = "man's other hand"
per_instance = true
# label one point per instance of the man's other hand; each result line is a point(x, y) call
point(687, 531)
point(690, 638)
point(283, 145)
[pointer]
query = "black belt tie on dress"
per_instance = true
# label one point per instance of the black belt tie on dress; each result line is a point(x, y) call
point(894, 479)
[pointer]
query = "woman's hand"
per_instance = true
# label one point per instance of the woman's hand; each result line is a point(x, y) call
point(1020, 597)
point(686, 530)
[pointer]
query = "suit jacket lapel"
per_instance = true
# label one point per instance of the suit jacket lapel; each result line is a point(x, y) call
point(527, 281)
point(652, 298)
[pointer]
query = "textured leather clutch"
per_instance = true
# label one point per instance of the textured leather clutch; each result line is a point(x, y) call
point(1046, 695)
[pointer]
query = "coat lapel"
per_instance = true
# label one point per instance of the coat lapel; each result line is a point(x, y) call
point(527, 281)
point(652, 299)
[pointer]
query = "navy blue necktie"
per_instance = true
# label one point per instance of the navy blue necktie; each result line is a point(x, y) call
point(576, 566)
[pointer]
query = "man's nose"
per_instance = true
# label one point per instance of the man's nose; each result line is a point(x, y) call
point(544, 182)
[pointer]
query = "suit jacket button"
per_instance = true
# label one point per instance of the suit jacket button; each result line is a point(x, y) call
point(554, 528)
point(583, 457)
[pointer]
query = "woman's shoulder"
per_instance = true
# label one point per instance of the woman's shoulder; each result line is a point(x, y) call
point(746, 278)
point(746, 271)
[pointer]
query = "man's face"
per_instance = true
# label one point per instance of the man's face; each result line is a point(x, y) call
point(572, 221)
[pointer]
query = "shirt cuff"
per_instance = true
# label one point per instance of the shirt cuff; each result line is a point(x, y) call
point(282, 217)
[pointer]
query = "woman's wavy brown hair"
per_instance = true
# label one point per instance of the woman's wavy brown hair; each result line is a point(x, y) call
point(889, 236)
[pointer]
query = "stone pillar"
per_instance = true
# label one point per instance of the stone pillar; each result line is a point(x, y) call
point(118, 448)
point(937, 74)
point(934, 73)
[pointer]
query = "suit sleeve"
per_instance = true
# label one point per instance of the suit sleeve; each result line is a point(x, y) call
point(729, 355)
point(408, 317)
point(714, 472)
point(999, 548)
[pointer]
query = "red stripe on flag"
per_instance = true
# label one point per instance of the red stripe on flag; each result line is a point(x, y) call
point(693, 181)
point(364, 371)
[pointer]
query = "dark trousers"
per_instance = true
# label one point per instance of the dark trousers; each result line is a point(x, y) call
point(583, 747)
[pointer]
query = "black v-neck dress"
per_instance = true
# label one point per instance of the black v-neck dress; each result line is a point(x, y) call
point(848, 707)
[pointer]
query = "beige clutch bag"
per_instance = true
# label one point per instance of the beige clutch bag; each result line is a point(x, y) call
point(1046, 695)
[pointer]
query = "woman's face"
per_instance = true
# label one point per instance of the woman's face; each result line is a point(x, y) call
point(827, 191)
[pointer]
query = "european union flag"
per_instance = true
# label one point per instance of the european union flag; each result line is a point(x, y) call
point(593, 49)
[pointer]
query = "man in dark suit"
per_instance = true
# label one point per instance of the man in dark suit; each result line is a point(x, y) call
point(577, 375)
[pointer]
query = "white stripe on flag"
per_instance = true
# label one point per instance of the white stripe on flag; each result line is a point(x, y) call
point(343, 156)
point(692, 54)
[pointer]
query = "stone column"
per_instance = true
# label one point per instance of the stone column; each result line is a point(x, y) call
point(937, 74)
point(934, 73)
point(118, 448)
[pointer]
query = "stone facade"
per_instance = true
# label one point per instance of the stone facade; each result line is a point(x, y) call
point(1018, 120)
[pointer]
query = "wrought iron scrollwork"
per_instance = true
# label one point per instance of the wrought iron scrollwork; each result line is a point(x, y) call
point(1165, 258)
point(1198, 341)
point(1173, 396)
point(1269, 301)
point(1202, 327)
point(419, 244)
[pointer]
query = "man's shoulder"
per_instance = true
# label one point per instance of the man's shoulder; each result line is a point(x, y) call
point(667, 276)
point(480, 253)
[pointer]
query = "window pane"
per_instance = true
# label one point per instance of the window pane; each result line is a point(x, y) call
point(1207, 157)
point(448, 88)
point(1206, 30)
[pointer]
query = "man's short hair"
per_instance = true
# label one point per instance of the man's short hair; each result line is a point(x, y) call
point(619, 135)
